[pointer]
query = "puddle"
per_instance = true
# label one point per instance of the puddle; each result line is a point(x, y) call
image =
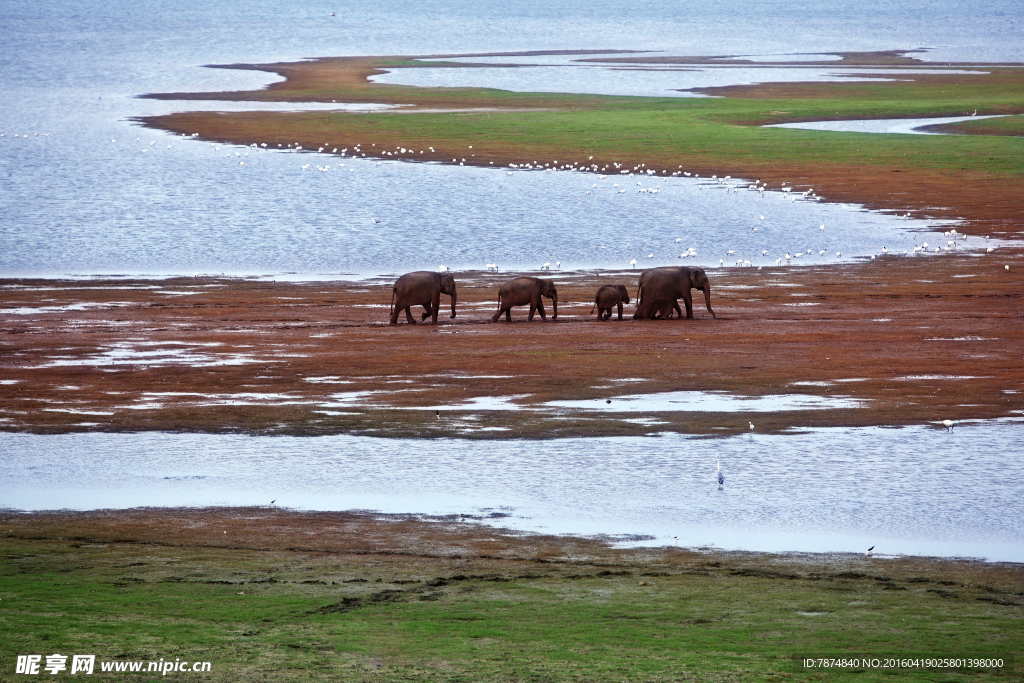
point(916, 378)
point(710, 402)
point(183, 353)
point(55, 309)
point(901, 126)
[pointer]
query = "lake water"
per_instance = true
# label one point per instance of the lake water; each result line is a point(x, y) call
point(74, 203)
point(84, 191)
point(913, 490)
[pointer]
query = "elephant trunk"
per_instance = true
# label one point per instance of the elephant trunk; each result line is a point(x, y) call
point(454, 298)
point(554, 305)
point(707, 300)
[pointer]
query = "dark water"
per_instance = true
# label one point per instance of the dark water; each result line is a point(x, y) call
point(914, 490)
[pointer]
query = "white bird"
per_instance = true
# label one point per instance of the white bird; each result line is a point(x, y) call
point(868, 553)
point(443, 269)
point(948, 424)
point(632, 263)
point(751, 426)
point(546, 266)
point(721, 477)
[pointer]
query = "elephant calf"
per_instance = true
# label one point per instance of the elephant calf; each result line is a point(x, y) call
point(526, 290)
point(607, 298)
point(657, 309)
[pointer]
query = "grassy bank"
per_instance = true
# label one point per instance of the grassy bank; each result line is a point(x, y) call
point(975, 177)
point(275, 595)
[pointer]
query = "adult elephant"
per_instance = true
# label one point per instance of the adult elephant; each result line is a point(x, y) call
point(672, 282)
point(526, 290)
point(422, 288)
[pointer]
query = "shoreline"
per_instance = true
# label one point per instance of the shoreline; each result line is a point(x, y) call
point(457, 536)
point(969, 179)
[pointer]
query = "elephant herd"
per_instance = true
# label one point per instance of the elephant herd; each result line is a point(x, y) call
point(658, 294)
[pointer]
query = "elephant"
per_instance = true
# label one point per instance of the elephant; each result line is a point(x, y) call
point(671, 283)
point(608, 297)
point(526, 290)
point(422, 288)
point(657, 309)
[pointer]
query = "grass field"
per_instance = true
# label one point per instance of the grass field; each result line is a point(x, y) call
point(571, 611)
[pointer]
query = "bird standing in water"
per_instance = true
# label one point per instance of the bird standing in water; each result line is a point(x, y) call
point(721, 477)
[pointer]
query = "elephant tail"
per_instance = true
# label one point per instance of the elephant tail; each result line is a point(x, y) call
point(594, 308)
point(391, 311)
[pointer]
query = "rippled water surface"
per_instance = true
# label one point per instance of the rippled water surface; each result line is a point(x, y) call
point(914, 490)
point(74, 202)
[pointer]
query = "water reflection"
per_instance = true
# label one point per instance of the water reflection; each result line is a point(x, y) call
point(914, 490)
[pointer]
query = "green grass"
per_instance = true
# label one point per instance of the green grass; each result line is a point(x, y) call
point(550, 623)
point(722, 133)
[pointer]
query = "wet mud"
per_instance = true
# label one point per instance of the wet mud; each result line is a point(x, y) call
point(909, 340)
point(416, 554)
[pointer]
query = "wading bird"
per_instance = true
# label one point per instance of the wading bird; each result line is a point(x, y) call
point(721, 477)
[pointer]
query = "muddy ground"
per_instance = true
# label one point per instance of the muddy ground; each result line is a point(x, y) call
point(410, 549)
point(913, 339)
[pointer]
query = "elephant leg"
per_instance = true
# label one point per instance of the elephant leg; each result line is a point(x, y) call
point(688, 300)
point(408, 315)
point(620, 311)
point(426, 313)
point(394, 315)
point(494, 318)
point(435, 305)
point(540, 309)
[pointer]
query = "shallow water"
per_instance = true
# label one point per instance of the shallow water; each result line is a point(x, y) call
point(640, 80)
point(913, 490)
point(901, 126)
point(710, 402)
point(73, 203)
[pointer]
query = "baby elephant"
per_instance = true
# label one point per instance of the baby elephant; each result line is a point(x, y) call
point(657, 309)
point(607, 298)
